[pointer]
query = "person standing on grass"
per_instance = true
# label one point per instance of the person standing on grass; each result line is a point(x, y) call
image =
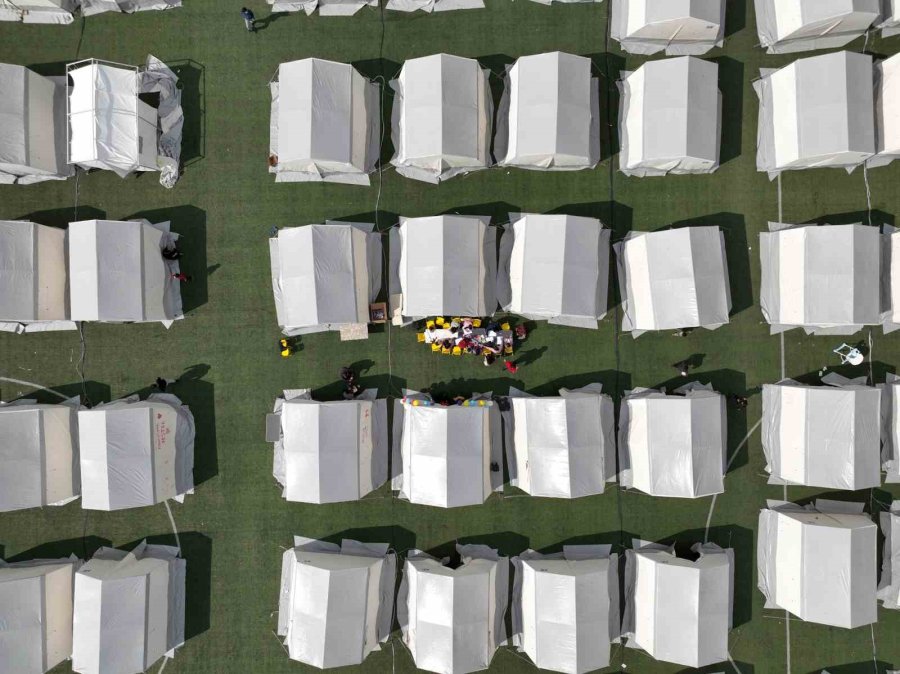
point(683, 367)
point(161, 383)
point(249, 19)
point(510, 366)
point(184, 278)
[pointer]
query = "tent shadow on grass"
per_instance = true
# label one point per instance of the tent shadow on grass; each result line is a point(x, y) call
point(727, 382)
point(192, 81)
point(498, 211)
point(83, 548)
point(879, 218)
point(51, 68)
point(609, 67)
point(735, 17)
point(61, 217)
point(196, 549)
point(734, 229)
point(91, 393)
point(199, 396)
point(190, 223)
point(400, 539)
point(382, 71)
point(880, 370)
point(742, 540)
point(731, 84)
point(879, 666)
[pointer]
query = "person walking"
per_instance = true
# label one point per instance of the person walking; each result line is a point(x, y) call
point(249, 19)
point(683, 367)
point(510, 366)
point(161, 383)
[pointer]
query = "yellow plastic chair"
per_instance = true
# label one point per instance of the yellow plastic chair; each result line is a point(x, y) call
point(446, 351)
point(456, 319)
point(439, 321)
point(420, 337)
point(435, 347)
point(457, 351)
point(507, 350)
point(429, 324)
point(504, 326)
point(476, 322)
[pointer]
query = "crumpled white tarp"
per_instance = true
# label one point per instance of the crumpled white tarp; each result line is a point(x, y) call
point(91, 7)
point(325, 7)
point(157, 77)
point(678, 28)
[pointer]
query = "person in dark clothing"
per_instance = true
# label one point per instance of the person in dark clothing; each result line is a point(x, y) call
point(249, 19)
point(739, 402)
point(683, 368)
point(347, 375)
point(161, 383)
point(171, 252)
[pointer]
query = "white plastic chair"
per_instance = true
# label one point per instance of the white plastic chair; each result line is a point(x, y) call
point(849, 355)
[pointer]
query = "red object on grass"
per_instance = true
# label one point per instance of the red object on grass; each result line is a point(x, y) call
point(512, 368)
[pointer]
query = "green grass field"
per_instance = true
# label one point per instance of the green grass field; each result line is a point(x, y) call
point(235, 527)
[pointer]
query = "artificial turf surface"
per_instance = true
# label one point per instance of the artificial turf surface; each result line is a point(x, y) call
point(235, 527)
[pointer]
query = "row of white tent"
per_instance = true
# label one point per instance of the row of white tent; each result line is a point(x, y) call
point(825, 279)
point(116, 614)
point(818, 561)
point(63, 11)
point(95, 270)
point(838, 436)
point(124, 454)
point(684, 27)
point(92, 118)
point(336, 605)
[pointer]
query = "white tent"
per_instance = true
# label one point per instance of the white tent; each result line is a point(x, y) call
point(336, 601)
point(890, 18)
point(670, 118)
point(678, 610)
point(117, 272)
point(136, 453)
point(549, 117)
point(680, 27)
point(819, 562)
point(824, 279)
point(329, 452)
point(887, 111)
point(889, 585)
point(32, 126)
point(816, 112)
point(555, 268)
point(129, 609)
point(33, 293)
point(91, 7)
point(38, 454)
point(433, 5)
point(325, 7)
point(38, 11)
point(441, 120)
point(450, 456)
point(325, 124)
point(562, 447)
point(453, 619)
point(675, 278)
point(325, 276)
point(446, 264)
point(786, 26)
point(822, 436)
point(565, 607)
point(35, 614)
point(109, 127)
point(673, 444)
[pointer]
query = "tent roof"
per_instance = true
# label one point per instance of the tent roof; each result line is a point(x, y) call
point(823, 436)
point(32, 123)
point(562, 446)
point(332, 603)
point(455, 619)
point(323, 119)
point(680, 27)
point(117, 272)
point(320, 275)
point(553, 113)
point(32, 272)
point(557, 268)
point(442, 116)
point(129, 609)
point(806, 25)
point(447, 266)
point(446, 454)
point(681, 609)
point(332, 451)
point(819, 565)
point(569, 611)
point(135, 453)
point(821, 277)
point(35, 615)
point(674, 278)
point(38, 456)
point(673, 445)
point(816, 111)
point(887, 103)
point(671, 117)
